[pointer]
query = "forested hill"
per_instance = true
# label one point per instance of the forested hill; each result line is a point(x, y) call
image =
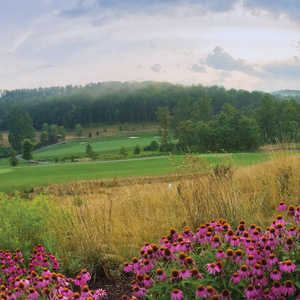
point(120, 102)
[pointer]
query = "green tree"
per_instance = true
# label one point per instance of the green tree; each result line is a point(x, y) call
point(53, 133)
point(13, 160)
point(61, 132)
point(20, 127)
point(44, 138)
point(1, 138)
point(27, 149)
point(137, 150)
point(164, 118)
point(89, 150)
point(123, 151)
point(78, 130)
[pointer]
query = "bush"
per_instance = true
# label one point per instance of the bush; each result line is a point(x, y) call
point(154, 146)
point(167, 147)
point(5, 151)
point(137, 150)
point(24, 223)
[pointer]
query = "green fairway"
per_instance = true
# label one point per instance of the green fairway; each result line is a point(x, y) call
point(101, 145)
point(25, 177)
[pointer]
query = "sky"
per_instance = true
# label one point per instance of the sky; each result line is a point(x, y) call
point(241, 44)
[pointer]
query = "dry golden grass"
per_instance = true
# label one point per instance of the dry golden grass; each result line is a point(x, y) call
point(108, 224)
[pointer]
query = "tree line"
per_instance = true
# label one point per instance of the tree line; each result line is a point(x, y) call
point(201, 118)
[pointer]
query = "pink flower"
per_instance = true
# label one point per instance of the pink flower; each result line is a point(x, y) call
point(281, 206)
point(287, 266)
point(201, 292)
point(176, 294)
point(100, 293)
point(184, 274)
point(213, 268)
point(288, 288)
point(250, 292)
point(275, 275)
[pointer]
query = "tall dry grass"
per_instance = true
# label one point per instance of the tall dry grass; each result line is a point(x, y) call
point(101, 225)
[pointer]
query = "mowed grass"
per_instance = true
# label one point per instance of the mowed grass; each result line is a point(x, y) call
point(26, 177)
point(100, 145)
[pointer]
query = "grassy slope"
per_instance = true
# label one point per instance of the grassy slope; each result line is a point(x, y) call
point(100, 145)
point(25, 177)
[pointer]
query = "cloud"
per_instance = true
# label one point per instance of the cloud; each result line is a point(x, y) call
point(156, 68)
point(198, 68)
point(289, 8)
point(288, 69)
point(221, 60)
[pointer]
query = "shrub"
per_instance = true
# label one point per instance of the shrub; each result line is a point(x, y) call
point(154, 146)
point(24, 223)
point(137, 150)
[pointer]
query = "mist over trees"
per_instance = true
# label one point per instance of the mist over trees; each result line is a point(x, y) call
point(202, 118)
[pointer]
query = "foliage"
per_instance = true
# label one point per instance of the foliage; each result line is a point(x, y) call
point(154, 146)
point(24, 223)
point(164, 118)
point(27, 149)
point(20, 127)
point(219, 261)
point(123, 151)
point(13, 160)
point(78, 130)
point(89, 151)
point(137, 150)
point(5, 151)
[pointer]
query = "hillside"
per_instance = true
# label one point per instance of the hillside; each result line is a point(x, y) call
point(287, 93)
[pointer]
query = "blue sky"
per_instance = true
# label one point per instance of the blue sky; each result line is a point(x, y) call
point(243, 44)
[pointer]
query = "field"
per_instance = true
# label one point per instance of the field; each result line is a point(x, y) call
point(103, 146)
point(26, 177)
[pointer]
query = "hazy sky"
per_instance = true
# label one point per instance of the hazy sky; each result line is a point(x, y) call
point(247, 44)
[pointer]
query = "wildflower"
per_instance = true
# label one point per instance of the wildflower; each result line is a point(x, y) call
point(276, 288)
point(244, 271)
point(176, 294)
point(195, 273)
point(220, 253)
point(250, 292)
point(174, 275)
point(275, 275)
point(160, 274)
point(127, 267)
point(288, 288)
point(188, 261)
point(235, 278)
point(210, 291)
point(287, 266)
point(282, 206)
point(148, 281)
point(184, 274)
point(216, 242)
point(201, 292)
point(226, 295)
point(229, 253)
point(33, 294)
point(238, 256)
point(139, 291)
point(213, 268)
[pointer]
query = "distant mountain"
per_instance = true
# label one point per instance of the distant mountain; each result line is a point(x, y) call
point(287, 93)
